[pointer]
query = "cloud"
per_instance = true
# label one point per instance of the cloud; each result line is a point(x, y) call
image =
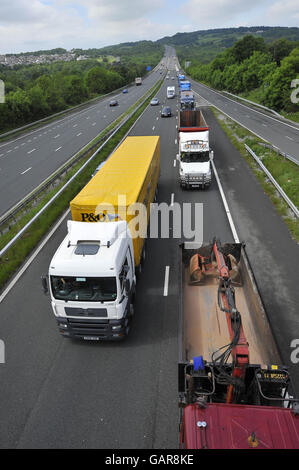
point(287, 11)
point(83, 23)
point(115, 11)
point(34, 25)
point(45, 24)
point(217, 13)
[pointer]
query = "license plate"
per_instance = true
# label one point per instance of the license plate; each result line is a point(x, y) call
point(91, 338)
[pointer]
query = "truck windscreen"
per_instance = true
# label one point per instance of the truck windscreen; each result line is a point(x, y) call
point(84, 289)
point(195, 157)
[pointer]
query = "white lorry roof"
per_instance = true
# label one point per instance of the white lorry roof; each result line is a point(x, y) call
point(105, 233)
point(107, 252)
point(200, 135)
point(193, 136)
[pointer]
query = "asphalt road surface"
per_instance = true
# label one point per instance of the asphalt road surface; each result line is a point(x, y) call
point(283, 135)
point(28, 160)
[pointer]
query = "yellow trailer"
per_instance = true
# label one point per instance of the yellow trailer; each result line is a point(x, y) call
point(128, 177)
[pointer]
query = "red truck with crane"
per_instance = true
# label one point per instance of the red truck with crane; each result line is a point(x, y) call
point(233, 392)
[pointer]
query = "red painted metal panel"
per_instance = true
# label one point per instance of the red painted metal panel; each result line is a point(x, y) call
point(240, 427)
point(193, 129)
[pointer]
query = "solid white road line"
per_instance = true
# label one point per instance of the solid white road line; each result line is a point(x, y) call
point(166, 281)
point(172, 199)
point(174, 163)
point(229, 216)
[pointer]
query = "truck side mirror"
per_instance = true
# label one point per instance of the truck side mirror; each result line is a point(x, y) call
point(45, 284)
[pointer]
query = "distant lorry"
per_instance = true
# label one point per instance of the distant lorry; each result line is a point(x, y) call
point(92, 276)
point(187, 100)
point(185, 85)
point(233, 394)
point(170, 91)
point(138, 81)
point(194, 150)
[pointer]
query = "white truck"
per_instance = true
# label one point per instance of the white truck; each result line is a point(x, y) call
point(92, 281)
point(170, 91)
point(92, 276)
point(195, 154)
point(138, 81)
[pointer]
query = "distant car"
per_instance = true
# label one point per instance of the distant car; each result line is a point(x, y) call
point(166, 111)
point(125, 90)
point(154, 102)
point(172, 78)
point(113, 103)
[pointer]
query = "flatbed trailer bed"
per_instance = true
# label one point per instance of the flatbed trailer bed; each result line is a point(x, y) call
point(263, 413)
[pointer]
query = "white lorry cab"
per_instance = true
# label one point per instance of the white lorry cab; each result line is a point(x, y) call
point(195, 154)
point(92, 281)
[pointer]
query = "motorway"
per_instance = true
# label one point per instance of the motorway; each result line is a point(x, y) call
point(283, 135)
point(28, 160)
point(59, 393)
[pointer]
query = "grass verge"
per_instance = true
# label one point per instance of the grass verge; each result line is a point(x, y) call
point(285, 172)
point(17, 254)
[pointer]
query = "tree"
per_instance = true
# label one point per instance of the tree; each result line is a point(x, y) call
point(280, 49)
point(277, 94)
point(38, 103)
point(73, 89)
point(245, 47)
point(97, 80)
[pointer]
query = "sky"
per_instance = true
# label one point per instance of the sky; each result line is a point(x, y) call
point(30, 25)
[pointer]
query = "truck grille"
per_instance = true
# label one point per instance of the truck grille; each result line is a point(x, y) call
point(88, 327)
point(85, 312)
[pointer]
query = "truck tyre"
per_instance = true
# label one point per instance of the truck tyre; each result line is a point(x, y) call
point(129, 320)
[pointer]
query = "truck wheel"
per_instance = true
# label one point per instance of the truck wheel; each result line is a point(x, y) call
point(129, 320)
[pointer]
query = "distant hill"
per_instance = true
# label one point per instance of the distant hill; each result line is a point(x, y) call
point(206, 44)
